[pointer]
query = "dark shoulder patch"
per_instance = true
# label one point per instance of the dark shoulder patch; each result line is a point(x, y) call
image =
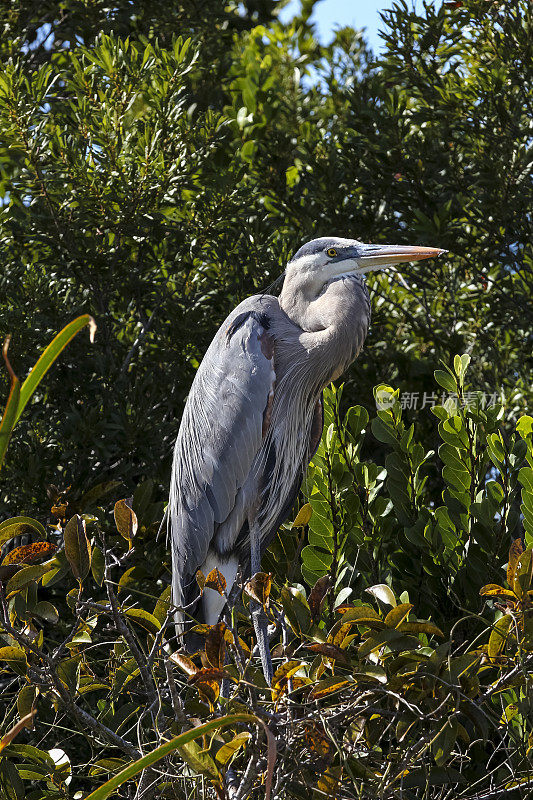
point(240, 319)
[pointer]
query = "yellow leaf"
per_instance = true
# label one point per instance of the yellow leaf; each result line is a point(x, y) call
point(397, 615)
point(515, 552)
point(498, 636)
point(228, 750)
point(329, 685)
point(216, 580)
point(493, 590)
point(303, 516)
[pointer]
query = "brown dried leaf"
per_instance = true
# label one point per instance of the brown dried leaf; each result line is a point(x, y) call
point(329, 651)
point(318, 595)
point(207, 682)
point(59, 510)
point(258, 587)
point(209, 674)
point(209, 691)
point(216, 580)
point(200, 580)
point(30, 553)
point(328, 783)
point(184, 662)
point(316, 740)
point(215, 645)
point(77, 547)
point(126, 520)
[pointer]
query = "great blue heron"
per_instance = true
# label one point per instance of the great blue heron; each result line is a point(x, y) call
point(253, 418)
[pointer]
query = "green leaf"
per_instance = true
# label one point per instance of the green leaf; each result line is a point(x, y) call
point(144, 619)
point(392, 638)
point(383, 432)
point(25, 575)
point(46, 611)
point(247, 150)
point(200, 761)
point(97, 565)
point(356, 420)
point(446, 380)
point(13, 655)
point(303, 516)
point(11, 785)
point(397, 615)
point(68, 672)
point(524, 426)
point(444, 742)
point(26, 699)
point(77, 547)
point(18, 526)
point(162, 606)
point(90, 497)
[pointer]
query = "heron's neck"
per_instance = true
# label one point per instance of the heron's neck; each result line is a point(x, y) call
point(334, 319)
point(303, 300)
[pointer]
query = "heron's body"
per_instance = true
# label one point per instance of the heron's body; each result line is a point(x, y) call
point(253, 418)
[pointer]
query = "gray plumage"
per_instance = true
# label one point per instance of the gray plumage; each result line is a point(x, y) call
point(253, 418)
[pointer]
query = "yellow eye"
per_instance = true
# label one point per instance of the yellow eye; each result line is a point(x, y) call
point(331, 252)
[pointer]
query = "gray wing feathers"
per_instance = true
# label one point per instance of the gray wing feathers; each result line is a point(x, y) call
point(219, 438)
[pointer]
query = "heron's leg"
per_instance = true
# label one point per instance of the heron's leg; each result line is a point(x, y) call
point(259, 618)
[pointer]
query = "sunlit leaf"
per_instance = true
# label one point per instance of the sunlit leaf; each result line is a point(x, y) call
point(30, 553)
point(126, 520)
point(384, 593)
point(303, 516)
point(327, 686)
point(216, 580)
point(498, 635)
point(258, 587)
point(229, 749)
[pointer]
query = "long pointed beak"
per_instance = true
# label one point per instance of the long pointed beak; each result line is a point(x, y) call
point(376, 256)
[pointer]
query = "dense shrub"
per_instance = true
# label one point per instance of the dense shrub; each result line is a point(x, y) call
point(402, 653)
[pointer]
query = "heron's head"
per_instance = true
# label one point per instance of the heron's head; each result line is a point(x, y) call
point(328, 257)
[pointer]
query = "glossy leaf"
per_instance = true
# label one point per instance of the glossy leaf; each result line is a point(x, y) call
point(77, 547)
